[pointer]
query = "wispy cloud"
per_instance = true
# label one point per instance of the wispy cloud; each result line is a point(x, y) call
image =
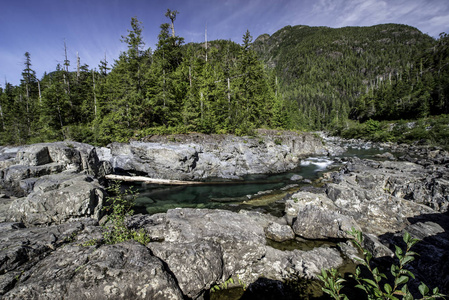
point(429, 16)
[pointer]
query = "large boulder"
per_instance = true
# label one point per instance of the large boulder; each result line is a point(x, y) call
point(196, 265)
point(34, 161)
point(315, 223)
point(56, 200)
point(21, 248)
point(197, 156)
point(120, 271)
point(206, 247)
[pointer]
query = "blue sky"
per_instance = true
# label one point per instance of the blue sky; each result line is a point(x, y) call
point(94, 27)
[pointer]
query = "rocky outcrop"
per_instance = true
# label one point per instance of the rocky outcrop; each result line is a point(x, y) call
point(52, 263)
point(205, 247)
point(54, 183)
point(58, 200)
point(198, 156)
point(384, 199)
point(426, 184)
point(48, 227)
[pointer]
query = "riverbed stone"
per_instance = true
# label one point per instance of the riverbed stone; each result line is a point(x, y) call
point(279, 233)
point(55, 202)
point(313, 222)
point(197, 266)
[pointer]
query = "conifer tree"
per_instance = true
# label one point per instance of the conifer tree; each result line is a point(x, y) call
point(125, 88)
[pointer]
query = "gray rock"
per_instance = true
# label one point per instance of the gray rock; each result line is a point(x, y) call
point(200, 157)
point(21, 248)
point(315, 223)
point(34, 155)
point(17, 176)
point(373, 245)
point(279, 233)
point(78, 197)
point(386, 155)
point(121, 271)
point(196, 266)
point(296, 178)
point(237, 240)
point(290, 265)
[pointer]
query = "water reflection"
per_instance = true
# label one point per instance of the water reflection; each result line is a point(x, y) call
point(264, 192)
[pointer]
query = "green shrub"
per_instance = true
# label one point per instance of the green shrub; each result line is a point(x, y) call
point(378, 287)
point(120, 206)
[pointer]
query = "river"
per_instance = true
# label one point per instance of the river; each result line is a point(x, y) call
point(261, 192)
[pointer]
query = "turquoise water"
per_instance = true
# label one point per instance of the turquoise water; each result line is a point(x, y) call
point(263, 192)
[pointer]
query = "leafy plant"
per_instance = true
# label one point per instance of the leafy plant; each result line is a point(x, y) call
point(378, 287)
point(120, 207)
point(224, 285)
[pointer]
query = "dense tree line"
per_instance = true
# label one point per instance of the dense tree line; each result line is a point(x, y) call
point(219, 86)
point(327, 76)
point(299, 78)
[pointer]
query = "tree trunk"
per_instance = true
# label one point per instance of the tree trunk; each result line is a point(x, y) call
point(95, 96)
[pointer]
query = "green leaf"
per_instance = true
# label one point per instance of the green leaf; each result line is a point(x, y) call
point(413, 242)
point(394, 270)
point(423, 289)
point(398, 251)
point(406, 237)
point(371, 282)
point(401, 280)
point(359, 286)
point(407, 272)
point(388, 288)
point(359, 236)
point(407, 259)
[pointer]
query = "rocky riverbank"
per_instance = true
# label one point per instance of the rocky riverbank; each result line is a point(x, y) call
point(53, 196)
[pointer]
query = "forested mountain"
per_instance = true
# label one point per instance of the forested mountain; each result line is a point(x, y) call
point(328, 75)
point(299, 78)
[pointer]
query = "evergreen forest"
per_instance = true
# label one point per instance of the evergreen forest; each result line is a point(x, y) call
point(299, 78)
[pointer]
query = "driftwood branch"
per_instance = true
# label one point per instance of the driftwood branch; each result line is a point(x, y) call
point(152, 180)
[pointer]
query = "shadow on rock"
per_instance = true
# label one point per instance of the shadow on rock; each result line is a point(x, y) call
point(269, 289)
point(431, 266)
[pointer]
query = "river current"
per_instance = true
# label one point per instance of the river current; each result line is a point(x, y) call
point(261, 192)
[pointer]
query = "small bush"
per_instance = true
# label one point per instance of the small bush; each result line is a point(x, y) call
point(378, 286)
point(120, 206)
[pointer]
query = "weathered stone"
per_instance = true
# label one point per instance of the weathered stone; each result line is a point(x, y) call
point(78, 197)
point(21, 248)
point(296, 178)
point(121, 271)
point(34, 155)
point(284, 265)
point(279, 233)
point(215, 156)
point(196, 266)
point(315, 223)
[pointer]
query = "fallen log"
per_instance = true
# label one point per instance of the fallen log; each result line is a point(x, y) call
point(152, 180)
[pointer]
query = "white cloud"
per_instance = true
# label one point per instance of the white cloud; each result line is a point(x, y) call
point(430, 16)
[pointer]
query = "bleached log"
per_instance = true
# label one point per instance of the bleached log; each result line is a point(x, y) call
point(152, 180)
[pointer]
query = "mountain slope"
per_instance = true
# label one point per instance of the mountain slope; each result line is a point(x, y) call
point(323, 71)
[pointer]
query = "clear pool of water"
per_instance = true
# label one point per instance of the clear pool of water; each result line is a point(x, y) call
point(263, 192)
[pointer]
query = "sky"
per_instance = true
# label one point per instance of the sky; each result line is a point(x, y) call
point(93, 28)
